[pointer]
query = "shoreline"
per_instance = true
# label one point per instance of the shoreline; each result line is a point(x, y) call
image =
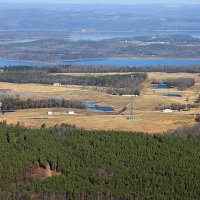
point(132, 58)
point(94, 59)
point(28, 61)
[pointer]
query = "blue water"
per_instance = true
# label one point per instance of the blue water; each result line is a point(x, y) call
point(17, 41)
point(132, 63)
point(96, 36)
point(160, 86)
point(2, 112)
point(92, 106)
point(54, 99)
point(172, 95)
point(22, 63)
point(105, 62)
point(100, 108)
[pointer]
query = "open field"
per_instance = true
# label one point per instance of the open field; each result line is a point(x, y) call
point(147, 119)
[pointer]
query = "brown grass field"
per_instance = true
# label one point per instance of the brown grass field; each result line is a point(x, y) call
point(147, 119)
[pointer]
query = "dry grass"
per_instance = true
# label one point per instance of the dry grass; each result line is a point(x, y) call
point(147, 119)
point(152, 122)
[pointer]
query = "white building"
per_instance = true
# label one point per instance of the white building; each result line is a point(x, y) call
point(57, 84)
point(70, 112)
point(50, 113)
point(167, 111)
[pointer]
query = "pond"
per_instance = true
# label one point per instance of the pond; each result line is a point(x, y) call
point(92, 106)
point(160, 86)
point(3, 91)
point(54, 99)
point(172, 95)
point(2, 112)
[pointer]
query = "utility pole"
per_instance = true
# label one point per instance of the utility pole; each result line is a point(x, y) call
point(132, 76)
point(131, 117)
point(187, 100)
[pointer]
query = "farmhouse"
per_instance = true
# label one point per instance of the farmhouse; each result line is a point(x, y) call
point(57, 84)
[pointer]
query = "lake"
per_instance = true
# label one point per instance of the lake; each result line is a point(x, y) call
point(102, 35)
point(132, 63)
point(106, 62)
point(17, 41)
point(22, 63)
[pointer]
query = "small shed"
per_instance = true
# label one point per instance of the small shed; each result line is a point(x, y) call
point(71, 112)
point(50, 113)
point(167, 111)
point(53, 113)
point(57, 84)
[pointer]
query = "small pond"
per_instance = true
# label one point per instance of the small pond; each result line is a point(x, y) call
point(160, 86)
point(2, 91)
point(92, 106)
point(2, 112)
point(172, 95)
point(54, 99)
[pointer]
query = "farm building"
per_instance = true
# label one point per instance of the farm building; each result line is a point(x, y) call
point(54, 112)
point(167, 111)
point(70, 112)
point(57, 84)
point(50, 113)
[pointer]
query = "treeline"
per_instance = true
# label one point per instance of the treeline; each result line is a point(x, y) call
point(16, 104)
point(104, 69)
point(120, 84)
point(180, 83)
point(107, 69)
point(97, 165)
point(176, 106)
point(192, 133)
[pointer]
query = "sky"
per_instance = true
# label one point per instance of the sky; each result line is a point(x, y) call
point(104, 1)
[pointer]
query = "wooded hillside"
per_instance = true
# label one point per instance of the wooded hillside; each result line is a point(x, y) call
point(97, 165)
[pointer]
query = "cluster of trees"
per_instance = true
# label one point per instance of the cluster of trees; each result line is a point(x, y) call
point(180, 83)
point(119, 83)
point(198, 99)
point(176, 106)
point(98, 165)
point(192, 133)
point(16, 104)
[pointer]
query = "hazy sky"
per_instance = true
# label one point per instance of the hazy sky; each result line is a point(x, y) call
point(104, 1)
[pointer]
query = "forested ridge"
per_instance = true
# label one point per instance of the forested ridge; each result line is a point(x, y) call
point(120, 84)
point(98, 165)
